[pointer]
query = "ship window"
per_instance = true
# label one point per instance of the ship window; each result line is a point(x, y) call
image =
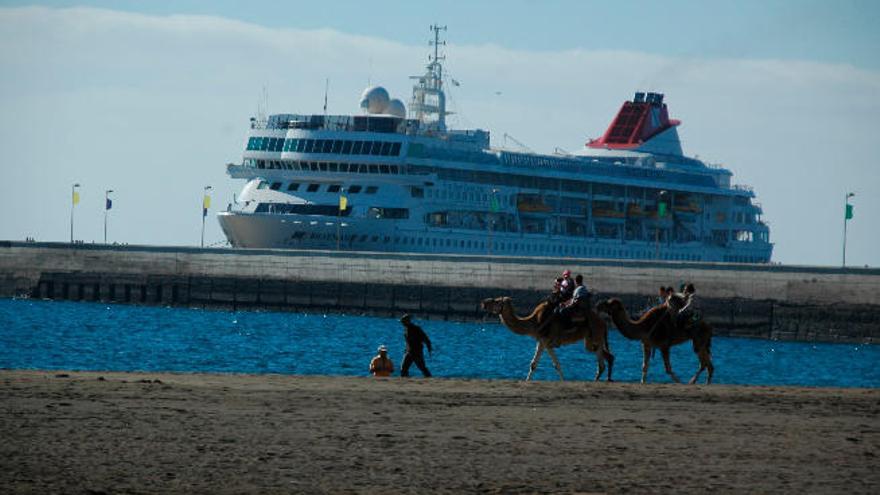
point(323, 166)
point(354, 189)
point(386, 148)
point(313, 166)
point(287, 143)
point(250, 144)
point(356, 147)
point(279, 144)
point(301, 145)
point(328, 146)
point(319, 146)
point(367, 146)
point(313, 187)
point(293, 186)
point(392, 213)
point(309, 144)
point(275, 186)
point(371, 189)
point(262, 185)
point(383, 169)
point(264, 144)
point(417, 192)
point(395, 169)
point(395, 149)
point(377, 148)
point(333, 167)
point(374, 169)
point(337, 146)
point(332, 188)
point(346, 148)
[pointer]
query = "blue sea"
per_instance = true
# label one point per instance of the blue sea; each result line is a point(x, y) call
point(113, 337)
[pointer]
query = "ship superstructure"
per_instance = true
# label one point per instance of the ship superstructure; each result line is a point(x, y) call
point(386, 181)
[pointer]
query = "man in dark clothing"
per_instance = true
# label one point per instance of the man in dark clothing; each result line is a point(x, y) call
point(415, 337)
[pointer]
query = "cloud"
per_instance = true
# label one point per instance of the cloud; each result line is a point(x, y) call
point(154, 106)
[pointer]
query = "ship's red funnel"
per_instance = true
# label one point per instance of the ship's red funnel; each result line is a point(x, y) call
point(637, 121)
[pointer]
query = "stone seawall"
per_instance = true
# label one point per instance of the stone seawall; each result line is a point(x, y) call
point(764, 301)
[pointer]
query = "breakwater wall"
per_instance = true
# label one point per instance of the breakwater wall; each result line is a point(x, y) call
point(763, 301)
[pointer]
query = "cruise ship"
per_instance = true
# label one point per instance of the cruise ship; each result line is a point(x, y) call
point(389, 179)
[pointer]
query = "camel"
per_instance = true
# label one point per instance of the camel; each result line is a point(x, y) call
point(653, 329)
point(595, 336)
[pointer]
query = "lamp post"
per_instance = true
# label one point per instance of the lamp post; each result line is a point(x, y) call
point(206, 203)
point(107, 205)
point(661, 212)
point(847, 214)
point(343, 205)
point(493, 209)
point(74, 199)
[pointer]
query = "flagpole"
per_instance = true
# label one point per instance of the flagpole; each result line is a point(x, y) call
point(106, 209)
point(205, 203)
point(73, 201)
point(845, 220)
point(343, 201)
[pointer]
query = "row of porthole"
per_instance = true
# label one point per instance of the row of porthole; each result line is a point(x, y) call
point(500, 247)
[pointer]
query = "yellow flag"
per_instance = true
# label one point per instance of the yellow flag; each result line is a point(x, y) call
point(343, 203)
point(206, 202)
point(75, 197)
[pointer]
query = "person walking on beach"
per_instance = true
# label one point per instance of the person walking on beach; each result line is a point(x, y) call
point(415, 337)
point(381, 365)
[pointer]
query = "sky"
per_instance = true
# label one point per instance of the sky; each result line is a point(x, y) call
point(152, 99)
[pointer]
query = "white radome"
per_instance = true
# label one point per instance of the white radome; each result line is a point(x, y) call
point(375, 99)
point(396, 108)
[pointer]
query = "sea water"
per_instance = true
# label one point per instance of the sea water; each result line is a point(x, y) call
point(113, 337)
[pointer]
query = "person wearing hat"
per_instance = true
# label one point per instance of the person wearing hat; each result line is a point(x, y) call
point(566, 286)
point(415, 337)
point(381, 365)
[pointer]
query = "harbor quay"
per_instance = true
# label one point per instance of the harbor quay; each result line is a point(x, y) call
point(803, 303)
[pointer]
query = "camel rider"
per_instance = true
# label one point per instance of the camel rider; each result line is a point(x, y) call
point(381, 365)
point(579, 304)
point(690, 312)
point(566, 286)
point(581, 295)
point(662, 296)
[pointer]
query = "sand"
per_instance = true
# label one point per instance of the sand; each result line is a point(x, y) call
point(181, 433)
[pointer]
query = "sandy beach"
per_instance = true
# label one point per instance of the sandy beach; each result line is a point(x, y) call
point(67, 432)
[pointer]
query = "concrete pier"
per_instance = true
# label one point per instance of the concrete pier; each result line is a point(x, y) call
point(764, 301)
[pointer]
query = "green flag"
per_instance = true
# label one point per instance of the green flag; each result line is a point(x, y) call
point(493, 205)
point(849, 211)
point(661, 209)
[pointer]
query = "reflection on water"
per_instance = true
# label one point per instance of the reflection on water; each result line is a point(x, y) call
point(93, 336)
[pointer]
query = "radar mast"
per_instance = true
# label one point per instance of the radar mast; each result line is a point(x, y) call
point(428, 104)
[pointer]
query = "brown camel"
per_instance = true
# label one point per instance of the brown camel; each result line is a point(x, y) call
point(656, 329)
point(594, 335)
